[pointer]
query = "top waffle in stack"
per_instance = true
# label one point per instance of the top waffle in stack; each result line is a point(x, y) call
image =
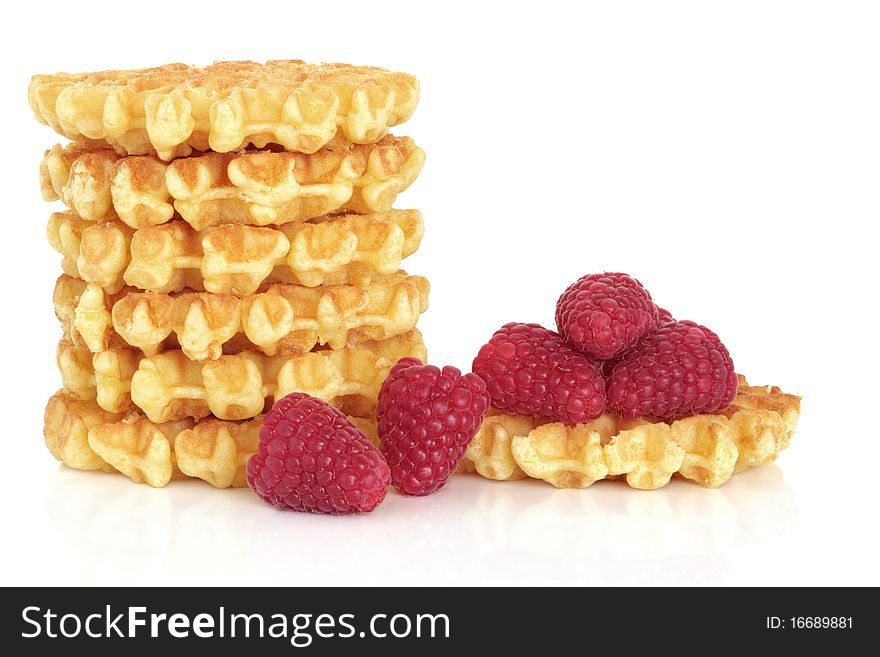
point(175, 109)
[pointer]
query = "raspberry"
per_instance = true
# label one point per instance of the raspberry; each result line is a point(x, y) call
point(664, 316)
point(603, 315)
point(530, 370)
point(427, 417)
point(678, 370)
point(311, 458)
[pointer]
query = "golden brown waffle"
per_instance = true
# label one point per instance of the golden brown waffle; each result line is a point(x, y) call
point(489, 452)
point(84, 436)
point(169, 386)
point(706, 449)
point(256, 188)
point(347, 249)
point(281, 320)
point(174, 109)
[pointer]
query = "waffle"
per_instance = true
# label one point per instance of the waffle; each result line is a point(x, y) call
point(489, 453)
point(281, 320)
point(174, 109)
point(255, 188)
point(84, 436)
point(235, 259)
point(706, 449)
point(168, 387)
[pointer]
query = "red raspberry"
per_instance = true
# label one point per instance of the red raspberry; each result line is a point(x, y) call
point(678, 370)
point(311, 458)
point(530, 370)
point(426, 420)
point(664, 316)
point(603, 315)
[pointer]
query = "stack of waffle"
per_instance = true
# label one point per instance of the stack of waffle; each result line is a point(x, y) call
point(229, 238)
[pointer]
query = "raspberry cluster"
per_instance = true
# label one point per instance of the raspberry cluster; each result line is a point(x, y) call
point(616, 350)
point(312, 458)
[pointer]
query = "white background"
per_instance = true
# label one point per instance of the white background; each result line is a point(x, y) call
point(725, 153)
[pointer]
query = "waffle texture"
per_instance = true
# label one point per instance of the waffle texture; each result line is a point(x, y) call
point(174, 109)
point(255, 188)
point(82, 435)
point(347, 249)
point(169, 386)
point(280, 320)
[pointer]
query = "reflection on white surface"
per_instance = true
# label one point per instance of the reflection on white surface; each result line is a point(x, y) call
point(477, 531)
